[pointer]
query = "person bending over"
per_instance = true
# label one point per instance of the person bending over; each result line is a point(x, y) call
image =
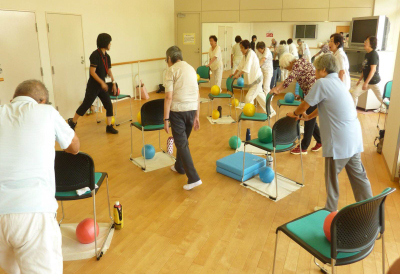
point(282, 49)
point(324, 49)
point(304, 73)
point(182, 110)
point(30, 238)
point(292, 48)
point(100, 68)
point(236, 55)
point(304, 50)
point(250, 68)
point(340, 130)
point(215, 62)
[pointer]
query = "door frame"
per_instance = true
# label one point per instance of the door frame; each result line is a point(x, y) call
point(48, 44)
point(200, 30)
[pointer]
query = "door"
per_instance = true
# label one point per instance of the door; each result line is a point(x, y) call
point(189, 38)
point(228, 47)
point(221, 43)
point(20, 58)
point(67, 60)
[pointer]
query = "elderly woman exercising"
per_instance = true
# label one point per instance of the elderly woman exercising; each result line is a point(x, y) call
point(215, 62)
point(340, 130)
point(303, 72)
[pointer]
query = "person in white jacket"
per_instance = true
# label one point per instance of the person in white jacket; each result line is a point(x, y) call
point(304, 50)
point(336, 46)
point(236, 54)
point(215, 62)
point(250, 68)
point(282, 49)
point(292, 48)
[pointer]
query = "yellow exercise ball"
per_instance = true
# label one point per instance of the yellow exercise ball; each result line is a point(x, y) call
point(235, 102)
point(112, 120)
point(249, 109)
point(215, 114)
point(215, 90)
point(139, 118)
point(198, 77)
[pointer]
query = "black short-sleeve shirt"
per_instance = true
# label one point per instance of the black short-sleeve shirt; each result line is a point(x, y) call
point(99, 61)
point(371, 58)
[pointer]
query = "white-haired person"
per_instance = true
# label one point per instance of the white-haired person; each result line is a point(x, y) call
point(304, 50)
point(336, 46)
point(292, 48)
point(303, 72)
point(340, 130)
point(182, 109)
point(30, 238)
point(236, 54)
point(282, 49)
point(215, 61)
point(253, 77)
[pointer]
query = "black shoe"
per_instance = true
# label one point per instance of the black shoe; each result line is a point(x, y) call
point(71, 123)
point(111, 129)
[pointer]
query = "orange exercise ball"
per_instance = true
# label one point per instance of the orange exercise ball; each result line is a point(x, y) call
point(85, 231)
point(327, 224)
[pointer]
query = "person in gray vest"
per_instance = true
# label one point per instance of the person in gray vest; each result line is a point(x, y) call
point(341, 133)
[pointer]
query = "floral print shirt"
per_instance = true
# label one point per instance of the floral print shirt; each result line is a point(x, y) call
point(304, 73)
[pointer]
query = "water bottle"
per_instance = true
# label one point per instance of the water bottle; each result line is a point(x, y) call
point(118, 216)
point(270, 160)
point(220, 111)
point(248, 135)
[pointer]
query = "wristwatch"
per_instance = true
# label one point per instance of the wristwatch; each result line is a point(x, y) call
point(167, 119)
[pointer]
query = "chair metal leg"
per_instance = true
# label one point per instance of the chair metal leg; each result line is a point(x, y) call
point(383, 253)
point(323, 270)
point(131, 144)
point(109, 204)
point(276, 177)
point(94, 224)
point(129, 120)
point(276, 250)
point(62, 209)
point(333, 262)
point(301, 160)
point(238, 136)
point(244, 157)
point(116, 109)
point(144, 151)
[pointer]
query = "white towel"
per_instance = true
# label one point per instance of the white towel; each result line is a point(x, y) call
point(82, 191)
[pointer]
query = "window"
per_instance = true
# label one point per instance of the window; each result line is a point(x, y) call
point(305, 31)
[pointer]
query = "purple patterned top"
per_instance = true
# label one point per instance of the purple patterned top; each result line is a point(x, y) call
point(304, 73)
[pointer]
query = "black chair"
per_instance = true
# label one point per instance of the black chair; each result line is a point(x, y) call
point(285, 132)
point(354, 231)
point(152, 116)
point(73, 172)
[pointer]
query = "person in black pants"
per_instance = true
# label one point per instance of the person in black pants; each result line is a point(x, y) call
point(100, 67)
point(182, 110)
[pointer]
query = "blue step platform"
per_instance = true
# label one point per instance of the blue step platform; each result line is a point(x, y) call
point(232, 166)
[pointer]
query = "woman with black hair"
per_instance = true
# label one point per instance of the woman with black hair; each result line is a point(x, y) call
point(236, 54)
point(292, 48)
point(336, 46)
point(100, 68)
point(253, 42)
point(215, 62)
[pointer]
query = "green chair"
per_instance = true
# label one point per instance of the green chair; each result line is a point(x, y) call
point(73, 172)
point(285, 132)
point(386, 94)
point(116, 99)
point(354, 231)
point(204, 73)
point(152, 116)
point(229, 96)
point(295, 103)
point(241, 91)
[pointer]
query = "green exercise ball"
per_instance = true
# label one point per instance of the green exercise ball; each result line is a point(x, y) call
point(234, 142)
point(265, 134)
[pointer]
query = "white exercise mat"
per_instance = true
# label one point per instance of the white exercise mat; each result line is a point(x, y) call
point(285, 187)
point(160, 160)
point(252, 149)
point(204, 100)
point(73, 250)
point(224, 120)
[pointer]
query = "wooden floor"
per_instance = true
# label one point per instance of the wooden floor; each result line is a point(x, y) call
point(219, 227)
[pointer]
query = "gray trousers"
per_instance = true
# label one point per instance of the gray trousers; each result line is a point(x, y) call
point(181, 125)
point(357, 176)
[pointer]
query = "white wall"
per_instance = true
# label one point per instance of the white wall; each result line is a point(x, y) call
point(139, 29)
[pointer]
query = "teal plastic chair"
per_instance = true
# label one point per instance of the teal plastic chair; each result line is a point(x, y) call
point(386, 95)
point(295, 103)
point(354, 231)
point(241, 88)
point(73, 172)
point(229, 95)
point(285, 133)
point(204, 73)
point(152, 116)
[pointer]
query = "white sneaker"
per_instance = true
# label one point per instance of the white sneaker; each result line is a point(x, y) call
point(193, 185)
point(318, 208)
point(301, 129)
point(173, 169)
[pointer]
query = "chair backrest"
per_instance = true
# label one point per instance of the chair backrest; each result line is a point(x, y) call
point(73, 172)
point(285, 131)
point(204, 72)
point(388, 90)
point(268, 104)
point(229, 84)
point(357, 226)
point(152, 112)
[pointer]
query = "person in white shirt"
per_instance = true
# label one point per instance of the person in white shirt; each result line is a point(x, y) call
point(336, 46)
point(215, 62)
point(274, 44)
point(250, 68)
point(30, 238)
point(182, 110)
point(304, 50)
point(236, 55)
point(282, 49)
point(292, 48)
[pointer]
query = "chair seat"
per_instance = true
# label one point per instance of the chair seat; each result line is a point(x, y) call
point(71, 195)
point(257, 117)
point(202, 81)
point(308, 232)
point(221, 95)
point(147, 128)
point(270, 146)
point(121, 96)
point(284, 103)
